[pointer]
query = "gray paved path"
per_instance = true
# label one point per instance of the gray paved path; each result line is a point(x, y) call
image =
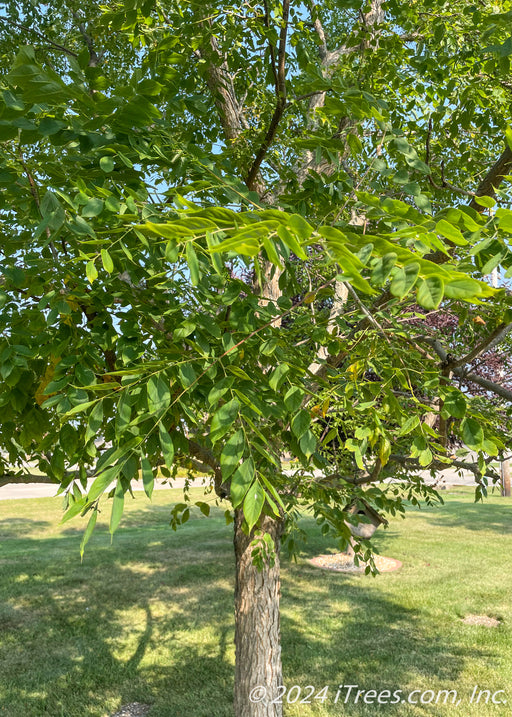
point(16, 491)
point(449, 478)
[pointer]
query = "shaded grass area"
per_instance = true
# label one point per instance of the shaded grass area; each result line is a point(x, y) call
point(149, 618)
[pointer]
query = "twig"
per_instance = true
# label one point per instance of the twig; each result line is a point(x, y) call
point(485, 345)
point(35, 194)
point(94, 58)
point(365, 311)
point(251, 179)
point(445, 184)
point(56, 45)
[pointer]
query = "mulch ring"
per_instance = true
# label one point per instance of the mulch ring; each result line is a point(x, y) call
point(135, 709)
point(342, 563)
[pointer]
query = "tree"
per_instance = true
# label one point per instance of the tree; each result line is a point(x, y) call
point(226, 231)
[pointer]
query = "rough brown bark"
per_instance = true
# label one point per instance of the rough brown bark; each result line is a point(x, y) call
point(494, 177)
point(257, 634)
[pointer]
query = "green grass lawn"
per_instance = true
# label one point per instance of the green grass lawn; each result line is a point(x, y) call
point(149, 618)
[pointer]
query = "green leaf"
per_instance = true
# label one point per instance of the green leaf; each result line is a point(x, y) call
point(193, 263)
point(508, 137)
point(404, 279)
point(76, 508)
point(148, 479)
point(308, 443)
point(293, 398)
point(246, 240)
point(232, 453)
point(240, 482)
point(13, 102)
point(383, 268)
point(505, 219)
point(464, 288)
point(291, 242)
point(166, 445)
point(91, 272)
point(106, 259)
point(107, 164)
point(409, 425)
point(187, 375)
point(487, 202)
point(384, 450)
point(300, 227)
point(455, 404)
point(159, 393)
point(430, 292)
point(490, 447)
point(224, 419)
point(450, 232)
point(88, 532)
point(95, 421)
point(278, 376)
point(203, 507)
point(78, 409)
point(253, 504)
point(472, 434)
point(272, 490)
point(300, 423)
point(425, 457)
point(212, 241)
point(117, 507)
point(219, 390)
point(123, 413)
point(68, 439)
point(494, 261)
point(93, 208)
point(103, 480)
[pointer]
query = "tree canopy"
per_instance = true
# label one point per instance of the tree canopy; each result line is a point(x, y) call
point(239, 235)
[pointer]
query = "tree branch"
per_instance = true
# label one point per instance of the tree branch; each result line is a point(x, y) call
point(463, 374)
point(53, 44)
point(35, 194)
point(494, 177)
point(485, 383)
point(24, 478)
point(251, 179)
point(444, 183)
point(487, 344)
point(94, 58)
point(207, 458)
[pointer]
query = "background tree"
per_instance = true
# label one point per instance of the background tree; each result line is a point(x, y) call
point(225, 228)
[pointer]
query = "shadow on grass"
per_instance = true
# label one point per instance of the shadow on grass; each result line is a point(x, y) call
point(474, 516)
point(150, 620)
point(16, 527)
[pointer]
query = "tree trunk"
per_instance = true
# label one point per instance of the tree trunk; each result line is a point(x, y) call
point(257, 635)
point(505, 479)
